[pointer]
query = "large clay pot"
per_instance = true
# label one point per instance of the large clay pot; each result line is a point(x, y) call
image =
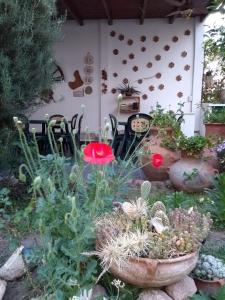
point(209, 287)
point(153, 145)
point(215, 129)
point(210, 155)
point(191, 174)
point(145, 272)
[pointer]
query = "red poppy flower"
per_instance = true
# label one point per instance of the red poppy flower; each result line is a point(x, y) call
point(98, 153)
point(157, 160)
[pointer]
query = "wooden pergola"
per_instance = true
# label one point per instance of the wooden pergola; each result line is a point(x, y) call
point(81, 10)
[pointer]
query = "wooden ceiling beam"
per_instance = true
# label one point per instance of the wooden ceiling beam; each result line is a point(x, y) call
point(107, 11)
point(176, 3)
point(73, 10)
point(143, 11)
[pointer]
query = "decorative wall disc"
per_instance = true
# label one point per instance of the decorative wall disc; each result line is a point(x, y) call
point(180, 94)
point(143, 49)
point(135, 68)
point(88, 70)
point(158, 57)
point(149, 65)
point(187, 32)
point(125, 80)
point(140, 81)
point(155, 39)
point(175, 39)
point(124, 61)
point(115, 51)
point(89, 59)
point(184, 54)
point(113, 91)
point(187, 68)
point(143, 38)
point(121, 37)
point(161, 86)
point(166, 47)
point(88, 90)
point(145, 97)
point(158, 75)
point(171, 65)
point(112, 33)
point(115, 74)
point(131, 56)
point(179, 78)
point(151, 88)
point(88, 79)
point(130, 42)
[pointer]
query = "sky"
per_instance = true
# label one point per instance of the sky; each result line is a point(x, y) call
point(214, 19)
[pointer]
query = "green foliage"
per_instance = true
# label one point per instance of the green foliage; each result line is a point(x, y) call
point(28, 30)
point(217, 195)
point(192, 145)
point(68, 195)
point(126, 88)
point(165, 119)
point(215, 116)
point(219, 295)
point(5, 205)
point(210, 248)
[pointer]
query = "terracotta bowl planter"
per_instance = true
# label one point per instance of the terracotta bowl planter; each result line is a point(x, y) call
point(144, 272)
point(215, 129)
point(153, 145)
point(191, 174)
point(209, 286)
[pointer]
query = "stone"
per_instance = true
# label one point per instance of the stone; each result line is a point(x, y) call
point(3, 285)
point(14, 267)
point(154, 294)
point(182, 289)
point(98, 291)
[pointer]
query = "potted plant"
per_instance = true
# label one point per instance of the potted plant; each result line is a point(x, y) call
point(127, 90)
point(148, 246)
point(209, 274)
point(165, 126)
point(192, 173)
point(215, 122)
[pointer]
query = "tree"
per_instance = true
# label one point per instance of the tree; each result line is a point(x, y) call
point(28, 30)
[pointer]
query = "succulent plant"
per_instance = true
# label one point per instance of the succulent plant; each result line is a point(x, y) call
point(157, 206)
point(145, 189)
point(209, 267)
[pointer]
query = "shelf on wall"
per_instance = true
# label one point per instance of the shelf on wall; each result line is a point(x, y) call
point(129, 104)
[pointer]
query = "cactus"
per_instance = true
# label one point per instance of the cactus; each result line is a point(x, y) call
point(161, 214)
point(209, 267)
point(145, 189)
point(157, 206)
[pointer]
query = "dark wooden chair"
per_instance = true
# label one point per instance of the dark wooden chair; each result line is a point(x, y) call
point(137, 128)
point(76, 126)
point(117, 137)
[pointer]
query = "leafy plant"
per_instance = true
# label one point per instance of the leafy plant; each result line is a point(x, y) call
point(68, 195)
point(219, 295)
point(217, 195)
point(209, 267)
point(215, 116)
point(126, 88)
point(193, 145)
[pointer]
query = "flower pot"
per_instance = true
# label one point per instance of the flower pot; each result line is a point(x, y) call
point(215, 129)
point(209, 286)
point(210, 155)
point(191, 174)
point(153, 145)
point(145, 272)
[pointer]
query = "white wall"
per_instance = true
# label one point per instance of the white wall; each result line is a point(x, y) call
point(94, 37)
